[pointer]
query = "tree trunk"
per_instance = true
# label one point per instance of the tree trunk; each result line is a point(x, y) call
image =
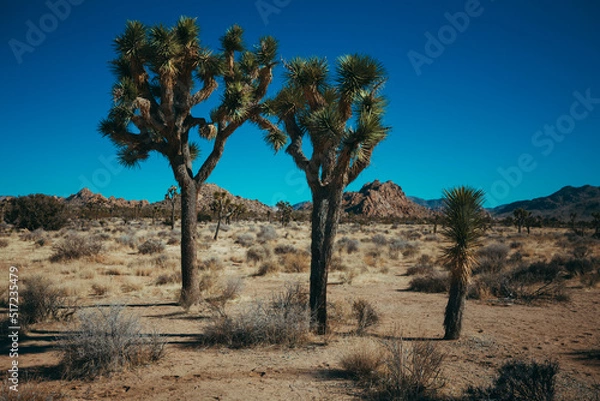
point(189, 216)
point(325, 217)
point(455, 308)
point(173, 213)
point(218, 228)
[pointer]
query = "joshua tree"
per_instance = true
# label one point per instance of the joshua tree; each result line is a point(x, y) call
point(171, 197)
point(463, 226)
point(343, 121)
point(162, 74)
point(521, 216)
point(219, 206)
point(285, 210)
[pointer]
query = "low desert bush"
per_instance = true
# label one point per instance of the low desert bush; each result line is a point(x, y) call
point(379, 240)
point(283, 321)
point(257, 253)
point(430, 283)
point(168, 278)
point(227, 292)
point(107, 341)
point(41, 300)
point(295, 262)
point(491, 258)
point(267, 267)
point(424, 266)
point(519, 381)
point(245, 240)
point(285, 249)
point(211, 264)
point(151, 247)
point(365, 314)
point(28, 391)
point(396, 371)
point(75, 246)
point(348, 245)
point(266, 233)
point(3, 243)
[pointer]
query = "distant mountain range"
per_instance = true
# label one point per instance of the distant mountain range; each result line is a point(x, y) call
point(580, 200)
point(382, 200)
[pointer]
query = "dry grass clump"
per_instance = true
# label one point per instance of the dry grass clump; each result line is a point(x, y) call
point(396, 371)
point(107, 341)
point(28, 391)
point(151, 247)
point(100, 289)
point(37, 235)
point(211, 264)
point(75, 246)
point(283, 249)
point(365, 314)
point(424, 266)
point(40, 300)
point(295, 262)
point(225, 293)
point(268, 267)
point(283, 321)
point(3, 243)
point(168, 278)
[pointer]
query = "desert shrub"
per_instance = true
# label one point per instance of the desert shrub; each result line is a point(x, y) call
point(41, 300)
point(430, 283)
point(580, 266)
point(211, 264)
point(365, 314)
point(37, 211)
point(36, 235)
point(282, 321)
point(75, 246)
point(396, 371)
point(295, 262)
point(410, 250)
point(591, 279)
point(424, 266)
point(257, 253)
point(348, 245)
point(284, 249)
point(107, 341)
point(519, 381)
point(580, 251)
point(3, 243)
point(491, 258)
point(363, 363)
point(537, 272)
point(245, 240)
point(151, 246)
point(338, 265)
point(488, 285)
point(379, 240)
point(516, 245)
point(173, 240)
point(266, 233)
point(228, 292)
point(413, 235)
point(168, 278)
point(267, 267)
point(431, 237)
point(130, 240)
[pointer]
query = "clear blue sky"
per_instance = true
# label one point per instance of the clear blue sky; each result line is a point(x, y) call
point(473, 111)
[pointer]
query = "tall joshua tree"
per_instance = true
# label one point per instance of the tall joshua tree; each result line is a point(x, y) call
point(343, 120)
point(464, 223)
point(162, 74)
point(521, 216)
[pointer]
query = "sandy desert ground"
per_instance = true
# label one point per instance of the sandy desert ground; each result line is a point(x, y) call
point(494, 331)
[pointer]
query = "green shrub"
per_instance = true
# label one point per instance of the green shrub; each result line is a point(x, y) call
point(37, 211)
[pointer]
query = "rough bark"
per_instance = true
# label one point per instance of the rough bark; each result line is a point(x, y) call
point(189, 216)
point(454, 309)
point(325, 218)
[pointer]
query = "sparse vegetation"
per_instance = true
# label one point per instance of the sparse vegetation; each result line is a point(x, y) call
point(151, 247)
point(75, 246)
point(42, 300)
point(365, 314)
point(107, 341)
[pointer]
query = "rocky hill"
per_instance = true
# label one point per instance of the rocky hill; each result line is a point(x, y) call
point(433, 204)
point(581, 200)
point(382, 200)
